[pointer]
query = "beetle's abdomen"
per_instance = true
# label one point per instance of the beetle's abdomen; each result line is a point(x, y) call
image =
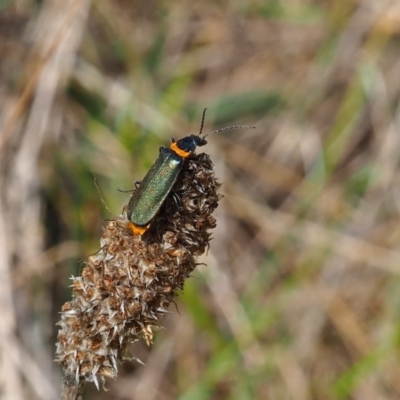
point(154, 188)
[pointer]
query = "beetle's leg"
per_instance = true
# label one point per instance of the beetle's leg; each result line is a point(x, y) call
point(176, 198)
point(128, 191)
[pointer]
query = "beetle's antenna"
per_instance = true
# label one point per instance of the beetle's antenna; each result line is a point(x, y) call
point(229, 127)
point(202, 121)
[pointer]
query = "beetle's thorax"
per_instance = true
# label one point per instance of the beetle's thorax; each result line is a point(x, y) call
point(187, 145)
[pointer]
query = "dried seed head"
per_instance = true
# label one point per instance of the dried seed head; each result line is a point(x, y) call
point(127, 286)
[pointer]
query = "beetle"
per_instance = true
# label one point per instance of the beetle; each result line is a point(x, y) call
point(149, 196)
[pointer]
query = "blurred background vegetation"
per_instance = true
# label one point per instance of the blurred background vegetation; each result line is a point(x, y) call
point(301, 296)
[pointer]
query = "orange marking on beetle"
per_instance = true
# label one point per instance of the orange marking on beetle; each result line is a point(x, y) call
point(138, 230)
point(174, 147)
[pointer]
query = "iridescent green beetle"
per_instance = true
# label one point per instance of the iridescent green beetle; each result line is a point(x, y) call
point(148, 198)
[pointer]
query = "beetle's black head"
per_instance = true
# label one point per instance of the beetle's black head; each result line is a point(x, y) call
point(189, 143)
